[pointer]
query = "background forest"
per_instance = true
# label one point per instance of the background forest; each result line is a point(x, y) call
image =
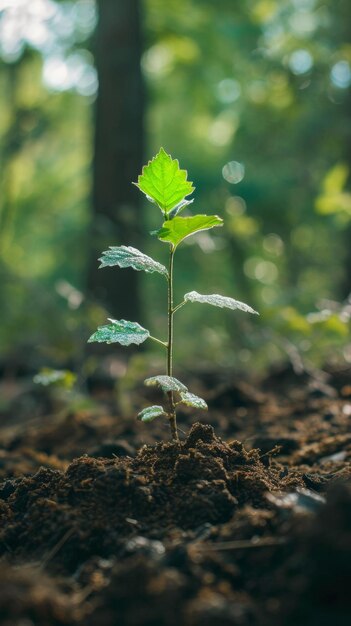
point(252, 97)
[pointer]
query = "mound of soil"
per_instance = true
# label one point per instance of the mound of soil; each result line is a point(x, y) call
point(96, 504)
point(204, 532)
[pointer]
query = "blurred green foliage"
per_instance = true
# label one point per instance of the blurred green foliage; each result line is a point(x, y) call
point(253, 98)
point(62, 378)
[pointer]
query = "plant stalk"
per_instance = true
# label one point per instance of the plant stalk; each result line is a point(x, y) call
point(171, 406)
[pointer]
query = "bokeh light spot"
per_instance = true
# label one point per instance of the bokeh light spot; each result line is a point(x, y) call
point(74, 72)
point(223, 128)
point(228, 90)
point(158, 60)
point(259, 269)
point(233, 172)
point(235, 205)
point(300, 61)
point(341, 74)
point(273, 244)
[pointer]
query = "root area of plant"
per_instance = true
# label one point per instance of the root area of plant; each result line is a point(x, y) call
point(245, 522)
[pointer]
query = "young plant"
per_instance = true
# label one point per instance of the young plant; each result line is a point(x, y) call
point(165, 185)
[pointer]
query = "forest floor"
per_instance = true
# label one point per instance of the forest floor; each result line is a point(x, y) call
point(245, 522)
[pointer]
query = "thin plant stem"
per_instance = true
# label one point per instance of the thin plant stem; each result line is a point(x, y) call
point(171, 406)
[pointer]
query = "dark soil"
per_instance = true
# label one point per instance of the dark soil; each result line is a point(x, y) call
point(209, 531)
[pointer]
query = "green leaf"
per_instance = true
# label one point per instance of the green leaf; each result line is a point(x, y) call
point(190, 399)
point(150, 413)
point(220, 301)
point(120, 331)
point(166, 383)
point(174, 231)
point(163, 182)
point(126, 256)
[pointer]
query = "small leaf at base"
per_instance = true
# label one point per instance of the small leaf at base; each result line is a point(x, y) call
point(220, 301)
point(120, 331)
point(150, 413)
point(126, 256)
point(166, 383)
point(190, 399)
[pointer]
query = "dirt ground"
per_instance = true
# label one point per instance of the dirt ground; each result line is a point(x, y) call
point(245, 522)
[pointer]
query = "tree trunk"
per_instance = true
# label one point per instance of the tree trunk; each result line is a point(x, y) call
point(118, 153)
point(345, 26)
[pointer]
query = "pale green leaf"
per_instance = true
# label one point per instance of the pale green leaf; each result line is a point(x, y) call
point(190, 399)
point(126, 256)
point(174, 231)
point(166, 383)
point(163, 182)
point(150, 413)
point(220, 301)
point(120, 331)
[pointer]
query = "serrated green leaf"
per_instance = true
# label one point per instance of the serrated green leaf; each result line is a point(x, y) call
point(150, 413)
point(120, 331)
point(163, 182)
point(220, 301)
point(174, 231)
point(166, 383)
point(126, 256)
point(190, 399)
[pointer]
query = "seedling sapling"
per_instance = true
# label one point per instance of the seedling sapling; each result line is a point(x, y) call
point(165, 185)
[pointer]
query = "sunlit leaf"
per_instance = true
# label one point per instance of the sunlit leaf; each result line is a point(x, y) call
point(126, 256)
point(166, 383)
point(190, 399)
point(163, 182)
point(220, 301)
point(150, 413)
point(61, 378)
point(120, 331)
point(174, 231)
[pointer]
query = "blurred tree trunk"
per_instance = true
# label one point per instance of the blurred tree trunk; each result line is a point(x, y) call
point(346, 287)
point(342, 32)
point(118, 153)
